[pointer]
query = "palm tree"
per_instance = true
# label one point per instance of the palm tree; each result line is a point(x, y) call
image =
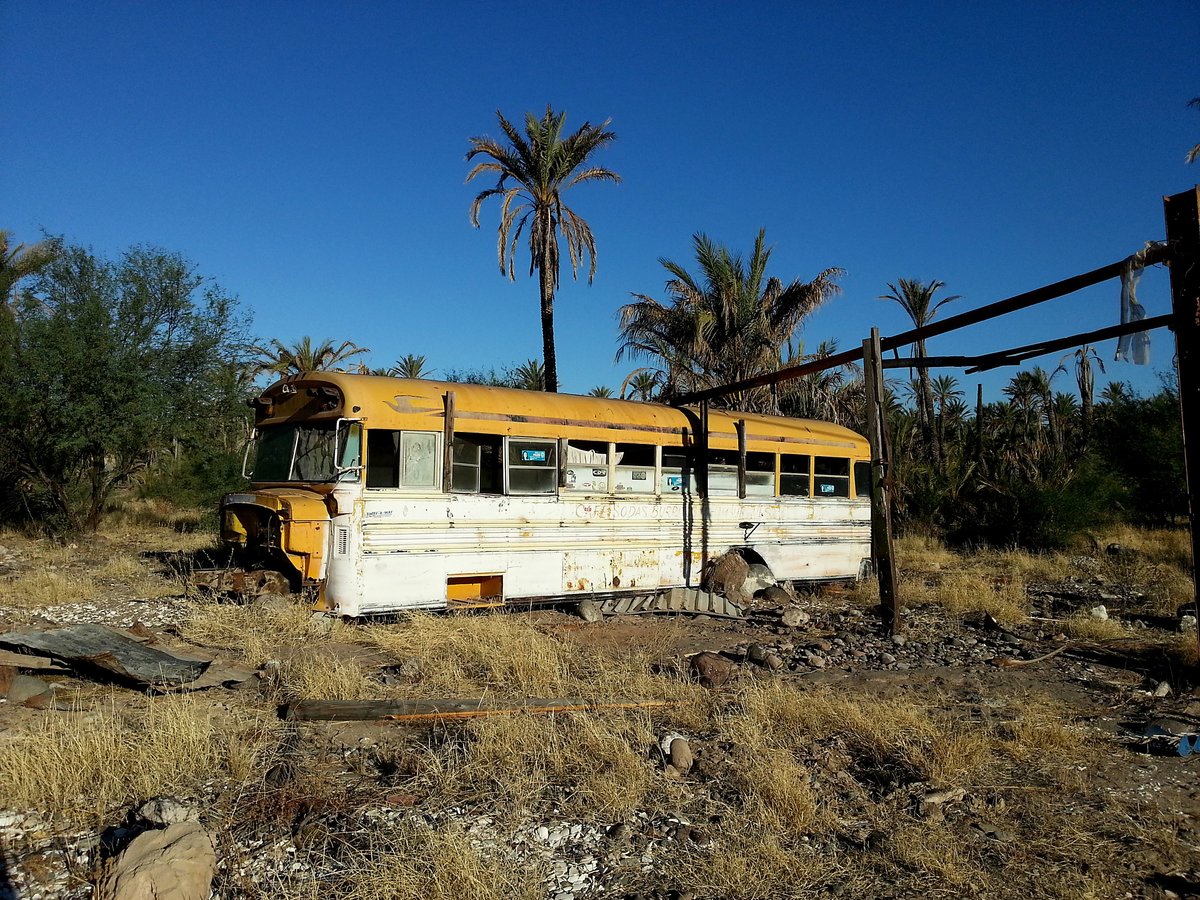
point(1086, 379)
point(534, 170)
point(21, 262)
point(944, 390)
point(916, 298)
point(641, 384)
point(529, 376)
point(729, 322)
point(281, 359)
point(600, 390)
point(409, 366)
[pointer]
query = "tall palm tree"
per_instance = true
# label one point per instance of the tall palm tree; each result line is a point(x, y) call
point(534, 170)
point(916, 299)
point(945, 390)
point(21, 262)
point(729, 322)
point(1085, 378)
point(279, 358)
point(409, 366)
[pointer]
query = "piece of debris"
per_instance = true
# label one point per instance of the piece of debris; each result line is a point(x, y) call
point(1099, 612)
point(110, 651)
point(931, 804)
point(712, 669)
point(1162, 689)
point(429, 710)
point(1010, 663)
point(177, 862)
point(677, 751)
point(757, 654)
point(777, 596)
point(675, 600)
point(29, 662)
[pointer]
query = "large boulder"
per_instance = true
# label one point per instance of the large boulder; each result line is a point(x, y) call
point(176, 863)
point(726, 575)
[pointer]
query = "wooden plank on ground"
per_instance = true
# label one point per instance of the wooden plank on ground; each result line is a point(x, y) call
point(430, 710)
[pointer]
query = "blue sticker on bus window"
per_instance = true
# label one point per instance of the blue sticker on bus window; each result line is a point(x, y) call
point(533, 456)
point(826, 488)
point(674, 481)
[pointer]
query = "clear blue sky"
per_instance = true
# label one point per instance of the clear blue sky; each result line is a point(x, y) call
point(310, 156)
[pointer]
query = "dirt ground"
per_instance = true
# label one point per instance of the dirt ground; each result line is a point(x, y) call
point(1010, 744)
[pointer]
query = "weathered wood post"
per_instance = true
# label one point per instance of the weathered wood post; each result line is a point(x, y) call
point(1183, 238)
point(448, 442)
point(740, 426)
point(881, 509)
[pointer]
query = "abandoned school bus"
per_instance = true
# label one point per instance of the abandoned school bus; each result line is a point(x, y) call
point(387, 494)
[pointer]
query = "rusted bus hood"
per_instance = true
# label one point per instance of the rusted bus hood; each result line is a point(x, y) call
point(294, 504)
point(291, 522)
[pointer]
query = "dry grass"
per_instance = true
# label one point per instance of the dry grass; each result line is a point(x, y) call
point(813, 768)
point(596, 766)
point(415, 861)
point(84, 764)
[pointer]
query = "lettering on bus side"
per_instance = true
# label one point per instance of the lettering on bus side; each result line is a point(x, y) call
point(618, 511)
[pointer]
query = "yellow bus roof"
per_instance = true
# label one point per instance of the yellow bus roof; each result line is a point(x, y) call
point(410, 403)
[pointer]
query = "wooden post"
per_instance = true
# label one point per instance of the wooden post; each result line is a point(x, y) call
point(1183, 236)
point(979, 423)
point(881, 511)
point(740, 427)
point(448, 443)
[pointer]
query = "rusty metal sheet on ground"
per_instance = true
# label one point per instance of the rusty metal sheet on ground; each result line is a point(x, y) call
point(108, 650)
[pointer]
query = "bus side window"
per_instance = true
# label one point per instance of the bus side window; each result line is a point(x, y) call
point(635, 468)
point(532, 466)
point(587, 467)
point(793, 475)
point(832, 477)
point(676, 465)
point(722, 471)
point(760, 474)
point(862, 479)
point(418, 459)
point(476, 464)
point(383, 458)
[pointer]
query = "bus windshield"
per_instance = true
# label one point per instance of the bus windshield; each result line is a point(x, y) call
point(304, 453)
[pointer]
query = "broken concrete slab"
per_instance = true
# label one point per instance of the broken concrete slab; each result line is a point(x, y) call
point(107, 650)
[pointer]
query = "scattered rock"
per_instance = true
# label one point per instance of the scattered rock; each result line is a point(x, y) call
point(774, 662)
point(27, 690)
point(757, 654)
point(815, 660)
point(899, 640)
point(681, 755)
point(322, 623)
point(794, 617)
point(589, 611)
point(176, 863)
point(758, 579)
point(712, 669)
point(776, 596)
point(1162, 689)
point(1099, 612)
point(167, 811)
